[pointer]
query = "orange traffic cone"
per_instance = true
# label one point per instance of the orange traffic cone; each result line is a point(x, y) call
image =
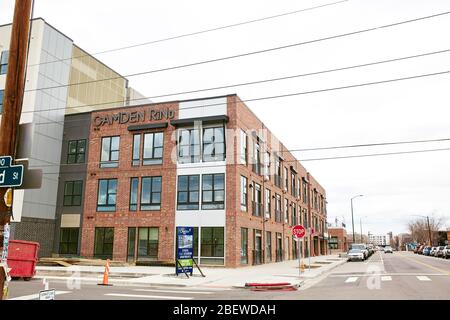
point(106, 275)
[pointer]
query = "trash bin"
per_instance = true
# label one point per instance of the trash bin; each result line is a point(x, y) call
point(22, 259)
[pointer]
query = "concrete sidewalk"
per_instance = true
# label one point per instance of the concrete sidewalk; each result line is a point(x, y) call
point(287, 271)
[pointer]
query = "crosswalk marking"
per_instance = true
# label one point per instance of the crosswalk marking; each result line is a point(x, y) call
point(172, 291)
point(386, 278)
point(351, 279)
point(423, 278)
point(36, 296)
point(124, 295)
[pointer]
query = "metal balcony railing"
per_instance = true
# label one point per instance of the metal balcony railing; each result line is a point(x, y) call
point(278, 181)
point(256, 167)
point(278, 216)
point(256, 209)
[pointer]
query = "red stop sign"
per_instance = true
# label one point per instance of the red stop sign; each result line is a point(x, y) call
point(298, 231)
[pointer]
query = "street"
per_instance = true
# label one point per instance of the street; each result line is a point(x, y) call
point(401, 275)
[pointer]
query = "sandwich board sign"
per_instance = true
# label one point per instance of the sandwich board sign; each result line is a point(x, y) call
point(47, 294)
point(185, 250)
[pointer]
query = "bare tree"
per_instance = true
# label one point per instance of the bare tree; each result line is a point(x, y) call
point(419, 229)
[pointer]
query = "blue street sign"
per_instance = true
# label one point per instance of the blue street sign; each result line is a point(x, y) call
point(10, 176)
point(185, 249)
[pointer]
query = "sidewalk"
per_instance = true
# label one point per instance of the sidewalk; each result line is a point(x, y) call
point(287, 271)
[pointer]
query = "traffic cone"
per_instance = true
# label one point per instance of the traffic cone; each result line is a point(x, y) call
point(106, 275)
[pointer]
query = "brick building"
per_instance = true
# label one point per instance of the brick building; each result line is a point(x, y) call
point(338, 239)
point(207, 163)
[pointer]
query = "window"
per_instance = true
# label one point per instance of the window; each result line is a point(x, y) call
point(305, 192)
point(103, 243)
point(212, 245)
point(153, 148)
point(286, 211)
point(107, 191)
point(257, 197)
point(278, 212)
point(305, 220)
point(243, 147)
point(299, 186)
point(267, 203)
point(213, 191)
point(76, 152)
point(267, 165)
point(213, 144)
point(333, 243)
point(188, 145)
point(151, 193)
point(110, 152)
point(244, 194)
point(244, 246)
point(268, 247)
point(134, 185)
point(278, 172)
point(68, 240)
point(294, 215)
point(315, 199)
point(4, 62)
point(131, 247)
point(188, 192)
point(293, 186)
point(256, 158)
point(286, 178)
point(72, 193)
point(148, 243)
point(136, 161)
point(2, 93)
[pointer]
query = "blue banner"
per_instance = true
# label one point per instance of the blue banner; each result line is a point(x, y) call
point(185, 249)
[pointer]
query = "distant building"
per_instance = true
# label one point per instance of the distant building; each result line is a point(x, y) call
point(378, 240)
point(338, 239)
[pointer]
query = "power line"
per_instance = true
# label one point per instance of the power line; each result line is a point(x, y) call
point(194, 33)
point(200, 166)
point(299, 93)
point(259, 81)
point(246, 54)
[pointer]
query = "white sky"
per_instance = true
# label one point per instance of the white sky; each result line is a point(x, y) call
point(395, 187)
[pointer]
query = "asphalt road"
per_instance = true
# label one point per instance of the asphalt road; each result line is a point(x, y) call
point(400, 275)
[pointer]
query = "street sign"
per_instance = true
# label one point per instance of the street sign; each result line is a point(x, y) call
point(8, 198)
point(10, 175)
point(185, 250)
point(298, 231)
point(47, 294)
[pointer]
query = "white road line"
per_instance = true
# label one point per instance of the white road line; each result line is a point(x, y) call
point(351, 279)
point(147, 296)
point(386, 278)
point(36, 296)
point(423, 278)
point(172, 291)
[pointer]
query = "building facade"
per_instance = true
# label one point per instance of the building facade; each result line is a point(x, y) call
point(378, 240)
point(55, 67)
point(338, 239)
point(207, 163)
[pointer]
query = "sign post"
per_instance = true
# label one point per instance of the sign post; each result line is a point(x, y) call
point(185, 250)
point(299, 232)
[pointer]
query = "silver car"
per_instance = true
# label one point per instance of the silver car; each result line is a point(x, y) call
point(355, 254)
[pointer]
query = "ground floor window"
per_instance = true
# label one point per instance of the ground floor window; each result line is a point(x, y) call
point(131, 247)
point(212, 245)
point(268, 248)
point(257, 247)
point(294, 249)
point(68, 240)
point(148, 240)
point(244, 246)
point(103, 243)
point(279, 248)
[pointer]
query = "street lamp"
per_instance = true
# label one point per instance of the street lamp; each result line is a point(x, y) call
point(353, 224)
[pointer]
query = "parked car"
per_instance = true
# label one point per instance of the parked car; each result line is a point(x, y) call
point(421, 249)
point(446, 252)
point(362, 247)
point(433, 251)
point(426, 251)
point(388, 249)
point(356, 254)
point(439, 252)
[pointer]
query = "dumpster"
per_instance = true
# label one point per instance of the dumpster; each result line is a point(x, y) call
point(22, 259)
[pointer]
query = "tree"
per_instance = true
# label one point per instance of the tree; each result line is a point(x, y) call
point(419, 229)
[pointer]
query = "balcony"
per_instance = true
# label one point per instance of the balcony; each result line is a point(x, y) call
point(278, 181)
point(256, 209)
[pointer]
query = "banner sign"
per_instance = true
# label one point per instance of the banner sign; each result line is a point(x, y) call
point(5, 242)
point(185, 249)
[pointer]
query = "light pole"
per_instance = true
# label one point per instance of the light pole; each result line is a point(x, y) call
point(353, 223)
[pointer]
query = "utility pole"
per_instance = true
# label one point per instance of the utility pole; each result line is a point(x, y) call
point(353, 223)
point(429, 230)
point(13, 95)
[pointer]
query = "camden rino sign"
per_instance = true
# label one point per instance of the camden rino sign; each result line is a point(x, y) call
point(134, 117)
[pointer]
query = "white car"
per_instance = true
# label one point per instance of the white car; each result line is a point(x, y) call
point(433, 251)
point(388, 249)
point(355, 254)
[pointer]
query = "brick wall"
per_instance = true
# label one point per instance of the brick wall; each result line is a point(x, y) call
point(36, 230)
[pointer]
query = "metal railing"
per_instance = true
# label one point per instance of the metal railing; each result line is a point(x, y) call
point(278, 216)
point(256, 167)
point(256, 209)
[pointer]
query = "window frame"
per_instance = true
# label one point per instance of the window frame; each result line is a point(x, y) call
point(152, 160)
point(70, 242)
point(103, 254)
point(244, 193)
point(192, 157)
point(194, 205)
point(214, 156)
point(134, 206)
point(215, 205)
point(77, 152)
point(4, 62)
point(110, 163)
point(107, 207)
point(150, 206)
point(73, 195)
point(243, 140)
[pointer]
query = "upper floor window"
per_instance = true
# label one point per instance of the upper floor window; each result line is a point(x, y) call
point(151, 193)
point(305, 192)
point(107, 191)
point(134, 186)
point(278, 208)
point(267, 165)
point(256, 158)
point(188, 192)
point(213, 144)
point(4, 62)
point(213, 191)
point(286, 210)
point(72, 193)
point(267, 203)
point(110, 152)
point(257, 200)
point(76, 152)
point(152, 148)
point(278, 172)
point(2, 92)
point(244, 194)
point(293, 185)
point(189, 145)
point(299, 186)
point(243, 147)
point(286, 178)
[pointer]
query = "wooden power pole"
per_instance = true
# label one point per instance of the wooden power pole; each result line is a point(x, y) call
point(13, 96)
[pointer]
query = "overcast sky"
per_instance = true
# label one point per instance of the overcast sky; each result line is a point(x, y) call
point(394, 187)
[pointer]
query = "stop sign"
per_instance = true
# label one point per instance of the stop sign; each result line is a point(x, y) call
point(298, 231)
